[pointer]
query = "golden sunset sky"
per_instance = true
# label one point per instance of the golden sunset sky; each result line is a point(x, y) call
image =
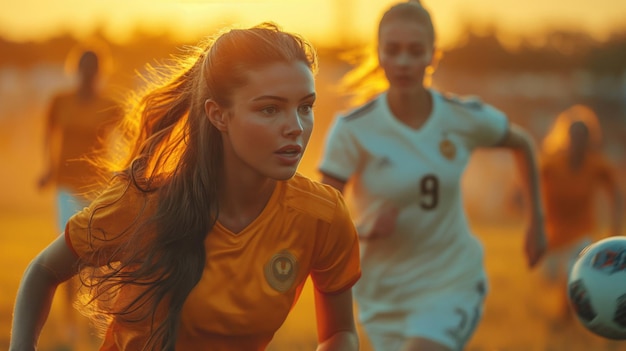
point(323, 21)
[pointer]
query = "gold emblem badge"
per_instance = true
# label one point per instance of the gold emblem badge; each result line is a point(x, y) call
point(281, 271)
point(447, 149)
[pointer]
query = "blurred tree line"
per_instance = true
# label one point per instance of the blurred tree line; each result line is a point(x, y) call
point(580, 68)
point(531, 82)
point(559, 50)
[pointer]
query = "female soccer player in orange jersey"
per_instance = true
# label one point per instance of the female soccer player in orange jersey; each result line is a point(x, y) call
point(205, 235)
point(573, 171)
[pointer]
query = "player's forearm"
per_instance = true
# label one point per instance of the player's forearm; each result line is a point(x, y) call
point(340, 341)
point(531, 182)
point(32, 307)
point(526, 159)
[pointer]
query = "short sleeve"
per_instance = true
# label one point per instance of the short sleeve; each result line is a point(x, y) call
point(108, 222)
point(490, 127)
point(341, 155)
point(336, 265)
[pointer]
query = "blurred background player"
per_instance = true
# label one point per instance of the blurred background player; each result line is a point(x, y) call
point(404, 153)
point(574, 171)
point(76, 127)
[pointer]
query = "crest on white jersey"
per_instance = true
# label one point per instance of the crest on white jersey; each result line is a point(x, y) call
point(281, 271)
point(447, 148)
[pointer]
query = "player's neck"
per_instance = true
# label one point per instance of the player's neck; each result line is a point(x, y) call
point(241, 201)
point(410, 107)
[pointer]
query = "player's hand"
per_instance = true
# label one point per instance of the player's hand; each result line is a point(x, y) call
point(535, 244)
point(384, 225)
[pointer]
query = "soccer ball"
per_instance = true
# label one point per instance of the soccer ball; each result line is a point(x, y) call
point(597, 287)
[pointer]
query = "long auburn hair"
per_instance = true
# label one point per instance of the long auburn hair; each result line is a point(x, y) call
point(367, 79)
point(168, 150)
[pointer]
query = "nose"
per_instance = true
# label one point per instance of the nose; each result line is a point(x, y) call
point(294, 126)
point(403, 59)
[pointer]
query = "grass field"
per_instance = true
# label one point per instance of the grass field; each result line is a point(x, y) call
point(516, 318)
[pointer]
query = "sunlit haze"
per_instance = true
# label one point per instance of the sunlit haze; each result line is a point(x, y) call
point(328, 22)
point(576, 56)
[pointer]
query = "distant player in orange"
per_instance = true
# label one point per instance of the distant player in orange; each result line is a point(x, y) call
point(205, 235)
point(77, 124)
point(573, 171)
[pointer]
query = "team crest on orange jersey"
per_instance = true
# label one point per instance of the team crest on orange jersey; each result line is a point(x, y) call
point(447, 148)
point(281, 271)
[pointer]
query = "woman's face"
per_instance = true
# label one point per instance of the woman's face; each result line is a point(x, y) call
point(271, 120)
point(405, 50)
point(88, 68)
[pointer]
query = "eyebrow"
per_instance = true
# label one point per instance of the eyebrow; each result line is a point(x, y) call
point(282, 99)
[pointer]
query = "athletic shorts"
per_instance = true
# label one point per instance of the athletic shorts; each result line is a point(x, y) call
point(448, 318)
point(67, 206)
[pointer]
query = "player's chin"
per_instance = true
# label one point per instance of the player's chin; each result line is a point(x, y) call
point(283, 173)
point(404, 83)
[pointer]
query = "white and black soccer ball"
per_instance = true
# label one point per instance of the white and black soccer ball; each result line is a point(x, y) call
point(597, 287)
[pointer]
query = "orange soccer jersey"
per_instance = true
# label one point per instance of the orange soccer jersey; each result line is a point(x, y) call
point(82, 125)
point(569, 196)
point(251, 279)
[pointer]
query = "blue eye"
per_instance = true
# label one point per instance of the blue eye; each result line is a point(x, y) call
point(305, 109)
point(269, 110)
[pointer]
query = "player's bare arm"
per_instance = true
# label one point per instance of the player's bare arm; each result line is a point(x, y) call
point(52, 266)
point(524, 148)
point(335, 323)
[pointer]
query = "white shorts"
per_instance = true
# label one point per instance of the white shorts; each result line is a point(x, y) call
point(447, 318)
point(67, 206)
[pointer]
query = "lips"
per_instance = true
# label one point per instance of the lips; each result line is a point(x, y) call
point(289, 150)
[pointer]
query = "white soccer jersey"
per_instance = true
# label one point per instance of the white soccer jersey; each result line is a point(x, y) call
point(420, 172)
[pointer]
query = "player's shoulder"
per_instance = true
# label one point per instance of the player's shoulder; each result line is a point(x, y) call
point(122, 186)
point(600, 161)
point(110, 107)
point(360, 111)
point(107, 100)
point(467, 102)
point(63, 97)
point(471, 106)
point(312, 197)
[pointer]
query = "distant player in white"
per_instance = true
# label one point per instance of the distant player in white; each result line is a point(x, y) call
point(403, 153)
